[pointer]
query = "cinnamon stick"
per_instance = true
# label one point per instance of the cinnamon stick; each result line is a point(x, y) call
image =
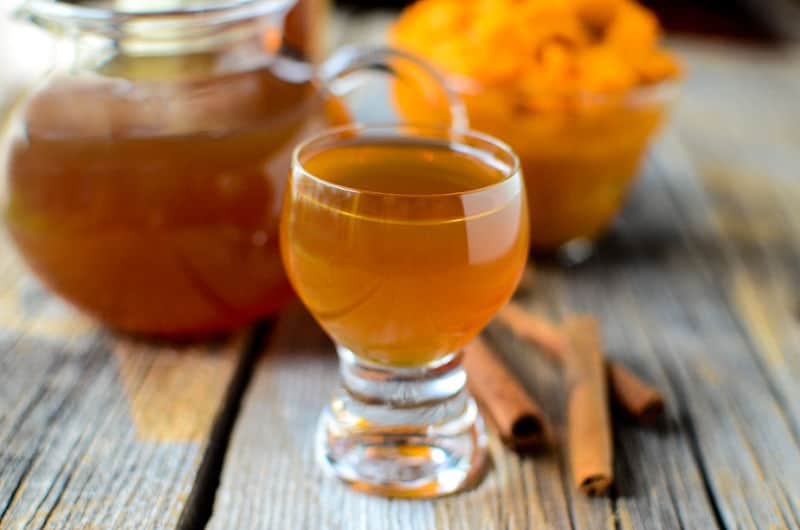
point(519, 420)
point(588, 422)
point(638, 399)
point(536, 330)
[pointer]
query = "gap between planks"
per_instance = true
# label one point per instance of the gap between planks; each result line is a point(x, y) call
point(200, 503)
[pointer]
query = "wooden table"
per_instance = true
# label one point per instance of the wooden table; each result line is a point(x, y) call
point(697, 288)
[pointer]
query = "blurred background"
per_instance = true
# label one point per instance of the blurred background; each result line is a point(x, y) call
point(25, 50)
point(759, 21)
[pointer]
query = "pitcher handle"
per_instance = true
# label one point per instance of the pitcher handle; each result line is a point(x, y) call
point(338, 74)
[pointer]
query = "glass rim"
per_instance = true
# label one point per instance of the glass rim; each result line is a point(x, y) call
point(450, 133)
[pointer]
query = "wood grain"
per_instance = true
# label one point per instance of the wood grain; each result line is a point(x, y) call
point(270, 479)
point(98, 431)
point(696, 288)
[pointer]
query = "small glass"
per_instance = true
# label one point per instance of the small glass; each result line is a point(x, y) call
point(403, 241)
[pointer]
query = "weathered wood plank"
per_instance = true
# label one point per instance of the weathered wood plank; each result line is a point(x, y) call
point(270, 479)
point(696, 289)
point(98, 431)
point(270, 462)
point(750, 175)
point(676, 292)
point(659, 483)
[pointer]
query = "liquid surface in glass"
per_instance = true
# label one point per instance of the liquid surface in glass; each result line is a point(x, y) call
point(154, 205)
point(411, 268)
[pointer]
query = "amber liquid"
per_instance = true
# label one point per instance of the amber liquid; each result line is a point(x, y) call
point(404, 279)
point(154, 206)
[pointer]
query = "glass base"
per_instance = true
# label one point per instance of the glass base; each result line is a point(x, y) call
point(403, 432)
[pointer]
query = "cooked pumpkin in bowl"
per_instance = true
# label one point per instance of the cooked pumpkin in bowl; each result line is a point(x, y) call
point(576, 87)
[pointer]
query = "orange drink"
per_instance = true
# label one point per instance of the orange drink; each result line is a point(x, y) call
point(413, 267)
point(403, 242)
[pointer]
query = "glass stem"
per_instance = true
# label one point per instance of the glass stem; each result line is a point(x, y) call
point(410, 432)
point(401, 387)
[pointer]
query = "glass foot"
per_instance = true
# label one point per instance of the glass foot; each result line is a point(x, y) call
point(403, 432)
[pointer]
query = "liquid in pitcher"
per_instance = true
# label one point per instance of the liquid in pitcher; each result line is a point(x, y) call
point(153, 205)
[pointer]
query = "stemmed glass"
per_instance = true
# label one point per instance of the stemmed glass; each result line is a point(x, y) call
point(403, 241)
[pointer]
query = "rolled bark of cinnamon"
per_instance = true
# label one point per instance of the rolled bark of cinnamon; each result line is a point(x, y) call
point(520, 422)
point(588, 421)
point(638, 399)
point(536, 330)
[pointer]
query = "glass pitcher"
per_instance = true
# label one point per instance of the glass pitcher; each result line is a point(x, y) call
point(143, 176)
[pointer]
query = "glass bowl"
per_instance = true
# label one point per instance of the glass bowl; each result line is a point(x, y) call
point(580, 152)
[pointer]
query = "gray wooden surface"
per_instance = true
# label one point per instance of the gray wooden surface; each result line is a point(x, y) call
point(696, 287)
point(697, 290)
point(98, 431)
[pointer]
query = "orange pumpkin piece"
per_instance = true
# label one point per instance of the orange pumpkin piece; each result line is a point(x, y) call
point(567, 45)
point(557, 80)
